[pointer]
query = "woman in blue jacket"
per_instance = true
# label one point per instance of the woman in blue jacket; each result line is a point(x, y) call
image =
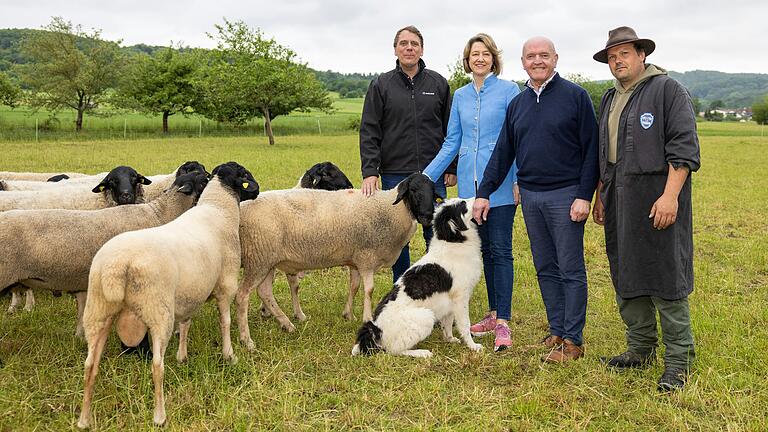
point(477, 114)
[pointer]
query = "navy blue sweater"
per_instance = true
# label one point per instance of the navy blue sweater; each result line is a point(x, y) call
point(554, 139)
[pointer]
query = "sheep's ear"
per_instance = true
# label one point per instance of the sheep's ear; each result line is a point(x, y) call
point(400, 195)
point(315, 180)
point(145, 181)
point(249, 185)
point(186, 189)
point(101, 187)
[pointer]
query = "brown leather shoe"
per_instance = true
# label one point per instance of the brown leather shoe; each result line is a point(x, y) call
point(552, 341)
point(565, 353)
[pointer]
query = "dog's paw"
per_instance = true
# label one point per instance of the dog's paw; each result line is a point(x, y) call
point(419, 353)
point(476, 347)
point(452, 339)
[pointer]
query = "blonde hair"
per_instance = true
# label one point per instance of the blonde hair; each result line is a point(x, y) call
point(491, 45)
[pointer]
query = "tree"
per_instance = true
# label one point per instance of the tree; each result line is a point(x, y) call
point(162, 83)
point(595, 89)
point(69, 68)
point(711, 113)
point(250, 76)
point(458, 78)
point(696, 106)
point(760, 111)
point(9, 92)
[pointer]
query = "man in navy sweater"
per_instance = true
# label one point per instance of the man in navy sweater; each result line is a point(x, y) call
point(551, 130)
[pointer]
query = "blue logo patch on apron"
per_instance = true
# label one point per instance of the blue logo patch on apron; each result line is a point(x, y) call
point(646, 120)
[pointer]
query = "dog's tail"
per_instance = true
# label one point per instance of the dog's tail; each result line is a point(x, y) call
point(368, 339)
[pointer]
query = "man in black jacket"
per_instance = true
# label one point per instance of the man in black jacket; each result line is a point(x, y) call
point(648, 148)
point(404, 121)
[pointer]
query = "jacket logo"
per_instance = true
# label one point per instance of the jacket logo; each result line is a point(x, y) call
point(428, 93)
point(646, 120)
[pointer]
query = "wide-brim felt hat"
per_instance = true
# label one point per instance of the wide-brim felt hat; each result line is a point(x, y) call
point(622, 35)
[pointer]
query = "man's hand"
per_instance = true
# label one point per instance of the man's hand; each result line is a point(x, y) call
point(480, 210)
point(449, 180)
point(664, 211)
point(598, 213)
point(579, 210)
point(370, 185)
point(516, 193)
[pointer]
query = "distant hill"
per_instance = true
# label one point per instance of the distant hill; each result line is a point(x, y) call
point(734, 89)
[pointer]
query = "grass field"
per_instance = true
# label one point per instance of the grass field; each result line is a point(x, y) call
point(308, 381)
point(19, 125)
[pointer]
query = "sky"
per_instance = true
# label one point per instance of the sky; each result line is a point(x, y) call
point(356, 36)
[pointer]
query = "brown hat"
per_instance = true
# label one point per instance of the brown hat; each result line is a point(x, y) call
point(622, 35)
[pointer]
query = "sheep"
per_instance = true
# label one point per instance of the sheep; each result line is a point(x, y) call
point(40, 177)
point(123, 185)
point(324, 176)
point(150, 278)
point(158, 185)
point(301, 229)
point(53, 249)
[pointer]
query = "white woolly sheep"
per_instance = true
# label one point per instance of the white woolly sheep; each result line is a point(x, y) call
point(53, 249)
point(150, 278)
point(40, 177)
point(302, 229)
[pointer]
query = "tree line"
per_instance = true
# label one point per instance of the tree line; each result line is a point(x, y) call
point(246, 76)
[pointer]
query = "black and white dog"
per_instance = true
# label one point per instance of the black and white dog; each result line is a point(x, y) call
point(435, 288)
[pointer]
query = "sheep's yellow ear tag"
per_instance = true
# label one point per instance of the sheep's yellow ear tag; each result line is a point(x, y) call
point(439, 200)
point(101, 188)
point(245, 185)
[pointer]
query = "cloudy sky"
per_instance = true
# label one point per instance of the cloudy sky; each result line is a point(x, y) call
point(356, 36)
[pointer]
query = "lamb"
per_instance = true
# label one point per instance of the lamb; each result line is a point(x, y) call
point(300, 229)
point(53, 249)
point(150, 278)
point(123, 185)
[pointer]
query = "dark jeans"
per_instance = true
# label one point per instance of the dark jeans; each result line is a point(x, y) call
point(557, 246)
point(496, 246)
point(389, 181)
point(639, 315)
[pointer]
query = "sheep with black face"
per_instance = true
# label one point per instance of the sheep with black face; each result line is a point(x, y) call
point(302, 229)
point(148, 279)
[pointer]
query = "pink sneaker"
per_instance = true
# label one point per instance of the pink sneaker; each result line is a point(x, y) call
point(484, 326)
point(503, 338)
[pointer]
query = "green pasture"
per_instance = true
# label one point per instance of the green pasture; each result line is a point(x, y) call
point(307, 380)
point(23, 124)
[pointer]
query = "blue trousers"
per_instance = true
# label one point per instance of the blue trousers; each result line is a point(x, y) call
point(557, 246)
point(496, 246)
point(389, 181)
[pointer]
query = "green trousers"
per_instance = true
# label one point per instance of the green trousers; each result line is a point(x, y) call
point(639, 315)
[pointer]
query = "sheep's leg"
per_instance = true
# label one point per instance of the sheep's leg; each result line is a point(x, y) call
point(447, 324)
point(264, 311)
point(80, 300)
point(368, 286)
point(30, 300)
point(181, 353)
point(15, 299)
point(354, 285)
point(97, 338)
point(293, 282)
point(160, 337)
point(241, 302)
point(265, 292)
point(225, 323)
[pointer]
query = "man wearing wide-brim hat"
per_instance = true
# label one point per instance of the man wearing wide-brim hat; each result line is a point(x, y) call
point(648, 148)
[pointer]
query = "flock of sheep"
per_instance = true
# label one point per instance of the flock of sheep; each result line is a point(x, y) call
point(144, 253)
